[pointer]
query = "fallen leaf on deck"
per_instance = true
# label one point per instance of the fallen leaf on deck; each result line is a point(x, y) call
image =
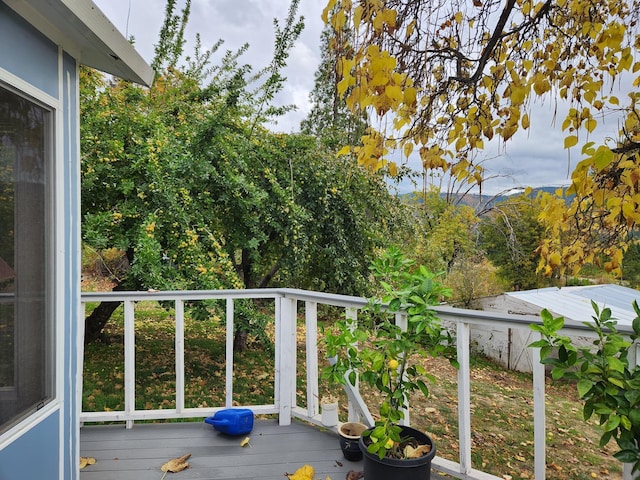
point(84, 461)
point(305, 472)
point(421, 451)
point(245, 442)
point(176, 465)
point(353, 475)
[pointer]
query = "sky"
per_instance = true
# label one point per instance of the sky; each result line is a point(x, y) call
point(531, 158)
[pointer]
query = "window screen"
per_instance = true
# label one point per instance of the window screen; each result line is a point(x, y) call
point(26, 367)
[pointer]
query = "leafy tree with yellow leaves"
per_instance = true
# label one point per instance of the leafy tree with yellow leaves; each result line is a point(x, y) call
point(445, 77)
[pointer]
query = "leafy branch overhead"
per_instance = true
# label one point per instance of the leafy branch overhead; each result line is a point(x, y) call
point(443, 78)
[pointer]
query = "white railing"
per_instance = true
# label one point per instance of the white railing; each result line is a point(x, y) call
point(285, 405)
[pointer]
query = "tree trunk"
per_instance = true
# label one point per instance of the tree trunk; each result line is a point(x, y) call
point(96, 321)
point(240, 341)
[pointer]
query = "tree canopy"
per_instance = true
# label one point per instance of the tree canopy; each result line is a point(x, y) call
point(187, 181)
point(444, 78)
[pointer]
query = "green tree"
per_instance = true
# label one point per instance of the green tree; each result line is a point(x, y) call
point(329, 119)
point(186, 180)
point(510, 235)
point(631, 265)
point(144, 191)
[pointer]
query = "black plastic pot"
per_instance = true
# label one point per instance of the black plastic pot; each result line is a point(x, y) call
point(376, 468)
point(350, 440)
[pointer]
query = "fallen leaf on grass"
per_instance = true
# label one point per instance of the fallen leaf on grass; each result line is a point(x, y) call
point(176, 465)
point(84, 461)
point(305, 472)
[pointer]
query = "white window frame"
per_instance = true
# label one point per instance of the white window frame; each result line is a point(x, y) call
point(55, 254)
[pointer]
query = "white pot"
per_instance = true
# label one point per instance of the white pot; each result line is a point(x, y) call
point(329, 414)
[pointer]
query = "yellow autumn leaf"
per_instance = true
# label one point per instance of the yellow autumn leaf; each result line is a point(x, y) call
point(518, 94)
point(525, 121)
point(327, 9)
point(306, 472)
point(344, 151)
point(245, 442)
point(176, 464)
point(338, 20)
point(393, 169)
point(590, 124)
point(344, 84)
point(84, 461)
point(408, 149)
point(394, 92)
point(570, 141)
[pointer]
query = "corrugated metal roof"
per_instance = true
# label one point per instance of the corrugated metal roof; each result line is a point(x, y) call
point(574, 303)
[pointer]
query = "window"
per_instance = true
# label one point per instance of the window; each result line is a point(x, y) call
point(26, 334)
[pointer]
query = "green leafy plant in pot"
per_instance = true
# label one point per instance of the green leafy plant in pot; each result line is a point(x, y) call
point(607, 382)
point(386, 355)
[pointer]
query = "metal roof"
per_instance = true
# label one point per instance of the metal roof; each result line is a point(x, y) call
point(82, 30)
point(574, 303)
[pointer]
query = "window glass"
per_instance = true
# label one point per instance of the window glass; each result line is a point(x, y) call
point(26, 370)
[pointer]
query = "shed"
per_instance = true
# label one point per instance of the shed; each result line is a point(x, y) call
point(43, 44)
point(508, 346)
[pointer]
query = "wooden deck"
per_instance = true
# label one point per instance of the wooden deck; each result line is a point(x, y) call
point(138, 453)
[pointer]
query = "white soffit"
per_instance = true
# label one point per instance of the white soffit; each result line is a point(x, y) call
point(83, 31)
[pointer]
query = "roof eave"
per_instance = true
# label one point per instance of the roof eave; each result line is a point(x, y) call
point(83, 31)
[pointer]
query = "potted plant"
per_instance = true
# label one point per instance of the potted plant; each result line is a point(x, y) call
point(386, 356)
point(607, 383)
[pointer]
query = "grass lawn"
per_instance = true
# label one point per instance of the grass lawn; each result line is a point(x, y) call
point(502, 404)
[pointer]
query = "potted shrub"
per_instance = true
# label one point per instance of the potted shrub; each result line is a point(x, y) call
point(607, 383)
point(387, 356)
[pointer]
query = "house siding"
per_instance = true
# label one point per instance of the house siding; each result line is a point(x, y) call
point(27, 53)
point(33, 455)
point(46, 445)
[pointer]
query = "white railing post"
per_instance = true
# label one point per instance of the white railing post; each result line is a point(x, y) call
point(129, 361)
point(287, 361)
point(311, 324)
point(464, 397)
point(402, 320)
point(228, 378)
point(351, 314)
point(539, 421)
point(634, 361)
point(80, 362)
point(179, 346)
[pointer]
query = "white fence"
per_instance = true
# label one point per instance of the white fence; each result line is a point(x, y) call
point(286, 302)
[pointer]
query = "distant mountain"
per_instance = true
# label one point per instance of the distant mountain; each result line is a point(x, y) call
point(475, 200)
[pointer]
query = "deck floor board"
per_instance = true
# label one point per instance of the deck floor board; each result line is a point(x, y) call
point(138, 453)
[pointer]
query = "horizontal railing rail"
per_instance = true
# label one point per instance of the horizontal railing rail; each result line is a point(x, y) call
point(286, 304)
